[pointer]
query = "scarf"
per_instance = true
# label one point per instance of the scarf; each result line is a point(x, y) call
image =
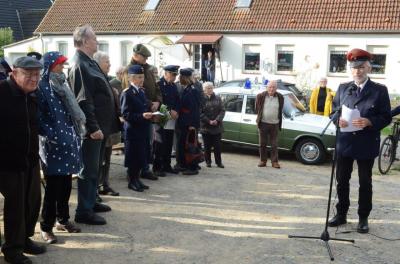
point(61, 88)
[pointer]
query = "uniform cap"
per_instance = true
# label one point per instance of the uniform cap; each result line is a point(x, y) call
point(27, 62)
point(135, 69)
point(186, 72)
point(171, 68)
point(142, 50)
point(357, 57)
point(34, 54)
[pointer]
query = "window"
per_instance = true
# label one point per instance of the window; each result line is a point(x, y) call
point(251, 58)
point(378, 61)
point(251, 105)
point(151, 5)
point(284, 58)
point(103, 46)
point(63, 48)
point(243, 3)
point(337, 59)
point(126, 52)
point(232, 102)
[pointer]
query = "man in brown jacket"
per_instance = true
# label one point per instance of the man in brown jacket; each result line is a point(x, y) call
point(269, 106)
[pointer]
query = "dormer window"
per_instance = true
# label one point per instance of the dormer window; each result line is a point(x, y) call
point(151, 5)
point(243, 3)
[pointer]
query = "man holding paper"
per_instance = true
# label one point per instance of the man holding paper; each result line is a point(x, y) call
point(365, 111)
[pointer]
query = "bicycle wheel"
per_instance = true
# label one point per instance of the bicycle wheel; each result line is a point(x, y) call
point(386, 155)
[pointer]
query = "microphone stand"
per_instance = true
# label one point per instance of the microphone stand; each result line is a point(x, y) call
point(325, 234)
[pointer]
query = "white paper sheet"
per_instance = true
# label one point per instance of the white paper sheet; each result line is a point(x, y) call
point(170, 125)
point(158, 113)
point(349, 115)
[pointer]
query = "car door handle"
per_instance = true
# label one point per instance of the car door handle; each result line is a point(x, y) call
point(246, 120)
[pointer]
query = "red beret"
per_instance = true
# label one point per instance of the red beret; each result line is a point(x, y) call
point(357, 57)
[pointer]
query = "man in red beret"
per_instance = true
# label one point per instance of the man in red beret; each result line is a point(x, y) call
point(372, 100)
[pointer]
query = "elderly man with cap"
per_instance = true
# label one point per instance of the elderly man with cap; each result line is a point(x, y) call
point(5, 69)
point(152, 92)
point(137, 121)
point(19, 160)
point(96, 99)
point(170, 98)
point(371, 99)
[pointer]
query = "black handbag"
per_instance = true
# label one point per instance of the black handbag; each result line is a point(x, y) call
point(193, 153)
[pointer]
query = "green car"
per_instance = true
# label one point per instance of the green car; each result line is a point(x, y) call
point(301, 132)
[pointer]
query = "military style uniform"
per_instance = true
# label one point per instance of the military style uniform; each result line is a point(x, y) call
point(136, 136)
point(163, 149)
point(363, 145)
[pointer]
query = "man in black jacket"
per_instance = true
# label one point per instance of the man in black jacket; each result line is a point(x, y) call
point(96, 98)
point(19, 160)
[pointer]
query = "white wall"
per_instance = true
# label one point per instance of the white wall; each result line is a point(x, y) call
point(312, 46)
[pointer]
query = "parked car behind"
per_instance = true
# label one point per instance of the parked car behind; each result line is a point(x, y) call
point(281, 86)
point(300, 131)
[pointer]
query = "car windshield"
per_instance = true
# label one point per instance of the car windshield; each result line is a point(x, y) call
point(292, 106)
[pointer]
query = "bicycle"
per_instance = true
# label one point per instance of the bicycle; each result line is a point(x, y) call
point(387, 152)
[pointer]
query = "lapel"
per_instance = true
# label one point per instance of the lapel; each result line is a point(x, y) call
point(365, 92)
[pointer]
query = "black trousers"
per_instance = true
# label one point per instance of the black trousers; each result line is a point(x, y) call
point(212, 142)
point(343, 175)
point(55, 201)
point(22, 198)
point(104, 177)
point(162, 150)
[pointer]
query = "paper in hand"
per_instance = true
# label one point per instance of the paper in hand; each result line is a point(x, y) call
point(349, 115)
point(158, 113)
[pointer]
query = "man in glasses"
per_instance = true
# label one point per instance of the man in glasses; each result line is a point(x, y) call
point(19, 160)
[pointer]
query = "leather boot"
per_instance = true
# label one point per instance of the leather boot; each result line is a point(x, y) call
point(337, 220)
point(362, 226)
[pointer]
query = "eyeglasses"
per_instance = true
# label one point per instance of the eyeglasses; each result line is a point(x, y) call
point(31, 74)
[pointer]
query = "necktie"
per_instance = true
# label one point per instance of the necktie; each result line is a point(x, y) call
point(358, 91)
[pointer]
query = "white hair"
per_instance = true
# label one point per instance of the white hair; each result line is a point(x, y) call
point(99, 56)
point(208, 85)
point(81, 34)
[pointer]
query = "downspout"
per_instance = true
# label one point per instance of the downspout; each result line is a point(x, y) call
point(41, 40)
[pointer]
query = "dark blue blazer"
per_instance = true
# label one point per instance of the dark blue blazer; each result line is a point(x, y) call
point(170, 95)
point(189, 114)
point(374, 104)
point(136, 128)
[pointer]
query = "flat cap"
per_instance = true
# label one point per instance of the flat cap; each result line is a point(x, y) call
point(142, 50)
point(5, 65)
point(27, 62)
point(357, 57)
point(135, 69)
point(186, 72)
point(171, 68)
point(34, 54)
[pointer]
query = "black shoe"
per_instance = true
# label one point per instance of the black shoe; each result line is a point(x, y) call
point(101, 208)
point(18, 259)
point(33, 248)
point(178, 168)
point(190, 172)
point(148, 175)
point(362, 226)
point(198, 167)
point(208, 165)
point(160, 174)
point(171, 170)
point(105, 190)
point(337, 220)
point(142, 185)
point(135, 187)
point(92, 219)
point(220, 165)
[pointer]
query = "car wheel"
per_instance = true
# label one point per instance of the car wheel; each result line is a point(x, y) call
point(310, 151)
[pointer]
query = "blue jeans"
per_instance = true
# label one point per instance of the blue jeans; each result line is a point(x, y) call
point(92, 156)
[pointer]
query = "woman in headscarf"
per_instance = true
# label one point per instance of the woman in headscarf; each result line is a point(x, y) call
point(61, 124)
